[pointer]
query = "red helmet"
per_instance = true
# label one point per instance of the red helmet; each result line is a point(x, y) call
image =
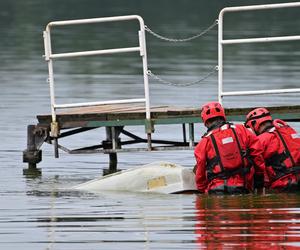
point(256, 117)
point(211, 110)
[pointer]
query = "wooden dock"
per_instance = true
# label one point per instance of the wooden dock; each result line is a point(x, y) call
point(126, 115)
point(65, 120)
point(116, 118)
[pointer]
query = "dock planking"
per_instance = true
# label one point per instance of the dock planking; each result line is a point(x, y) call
point(124, 115)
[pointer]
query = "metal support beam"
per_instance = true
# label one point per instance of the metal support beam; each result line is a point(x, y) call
point(74, 131)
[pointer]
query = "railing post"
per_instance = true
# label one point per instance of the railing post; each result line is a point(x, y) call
point(220, 57)
point(142, 42)
point(54, 125)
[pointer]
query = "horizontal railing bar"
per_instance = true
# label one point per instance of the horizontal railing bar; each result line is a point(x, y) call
point(261, 40)
point(94, 20)
point(95, 52)
point(261, 7)
point(260, 92)
point(88, 104)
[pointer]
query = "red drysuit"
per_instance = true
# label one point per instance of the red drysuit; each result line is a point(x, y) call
point(281, 145)
point(228, 168)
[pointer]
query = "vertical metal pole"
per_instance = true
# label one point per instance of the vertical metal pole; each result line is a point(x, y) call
point(48, 52)
point(191, 135)
point(220, 57)
point(184, 132)
point(143, 53)
point(113, 138)
point(113, 162)
point(113, 159)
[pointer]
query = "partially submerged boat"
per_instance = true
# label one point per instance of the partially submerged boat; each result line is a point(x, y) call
point(157, 177)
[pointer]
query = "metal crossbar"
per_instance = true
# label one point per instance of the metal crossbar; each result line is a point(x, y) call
point(222, 42)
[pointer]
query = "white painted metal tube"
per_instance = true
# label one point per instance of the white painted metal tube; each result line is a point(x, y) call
point(222, 42)
point(96, 20)
point(220, 59)
point(261, 7)
point(95, 52)
point(260, 92)
point(47, 44)
point(142, 42)
point(87, 104)
point(261, 40)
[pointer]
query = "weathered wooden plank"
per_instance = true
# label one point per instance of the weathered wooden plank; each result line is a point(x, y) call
point(135, 114)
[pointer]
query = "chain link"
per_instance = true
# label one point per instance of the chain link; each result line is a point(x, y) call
point(213, 71)
point(183, 39)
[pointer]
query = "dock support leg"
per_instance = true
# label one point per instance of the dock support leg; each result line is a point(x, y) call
point(191, 135)
point(113, 163)
point(149, 129)
point(149, 142)
point(184, 132)
point(112, 142)
point(55, 133)
point(33, 155)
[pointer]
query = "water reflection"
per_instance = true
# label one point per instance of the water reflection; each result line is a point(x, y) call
point(256, 222)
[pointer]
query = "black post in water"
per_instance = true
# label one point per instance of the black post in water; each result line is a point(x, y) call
point(112, 142)
point(113, 163)
point(32, 155)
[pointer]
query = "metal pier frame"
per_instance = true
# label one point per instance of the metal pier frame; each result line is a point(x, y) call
point(57, 125)
point(115, 124)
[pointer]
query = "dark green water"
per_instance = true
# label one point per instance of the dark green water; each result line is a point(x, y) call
point(41, 214)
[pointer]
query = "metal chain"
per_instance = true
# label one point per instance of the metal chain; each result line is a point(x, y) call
point(183, 39)
point(213, 71)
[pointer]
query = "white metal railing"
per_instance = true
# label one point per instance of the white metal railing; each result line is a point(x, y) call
point(222, 42)
point(49, 56)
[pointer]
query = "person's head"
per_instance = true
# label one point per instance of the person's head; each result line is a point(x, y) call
point(212, 112)
point(258, 120)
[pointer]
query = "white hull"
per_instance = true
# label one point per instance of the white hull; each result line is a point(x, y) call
point(158, 177)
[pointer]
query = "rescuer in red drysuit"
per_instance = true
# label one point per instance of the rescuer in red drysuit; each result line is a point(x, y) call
point(227, 156)
point(281, 145)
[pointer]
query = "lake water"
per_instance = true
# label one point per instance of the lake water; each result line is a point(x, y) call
point(43, 213)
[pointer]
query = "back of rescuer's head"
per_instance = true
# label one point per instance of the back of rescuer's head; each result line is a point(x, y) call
point(256, 118)
point(212, 110)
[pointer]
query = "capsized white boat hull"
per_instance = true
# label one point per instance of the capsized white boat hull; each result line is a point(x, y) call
point(158, 177)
